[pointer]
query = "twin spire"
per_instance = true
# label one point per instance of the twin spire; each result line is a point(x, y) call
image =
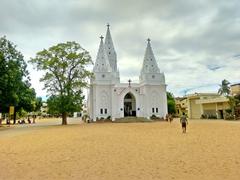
point(102, 62)
point(107, 58)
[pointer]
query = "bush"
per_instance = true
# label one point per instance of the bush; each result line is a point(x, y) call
point(212, 116)
point(153, 117)
point(203, 116)
point(228, 111)
point(229, 116)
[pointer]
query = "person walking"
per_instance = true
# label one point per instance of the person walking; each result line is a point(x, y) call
point(184, 122)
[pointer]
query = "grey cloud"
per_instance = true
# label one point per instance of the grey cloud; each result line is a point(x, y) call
point(195, 42)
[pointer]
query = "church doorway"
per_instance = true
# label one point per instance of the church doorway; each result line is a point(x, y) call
point(129, 105)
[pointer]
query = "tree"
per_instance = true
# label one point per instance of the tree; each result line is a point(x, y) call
point(171, 103)
point(38, 104)
point(15, 88)
point(66, 76)
point(224, 88)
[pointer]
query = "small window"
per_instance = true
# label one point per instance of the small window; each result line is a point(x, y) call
point(103, 75)
point(153, 76)
point(105, 111)
point(109, 53)
point(152, 110)
point(101, 111)
point(156, 110)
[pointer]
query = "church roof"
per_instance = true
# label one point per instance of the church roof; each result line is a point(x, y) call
point(102, 62)
point(149, 63)
point(110, 50)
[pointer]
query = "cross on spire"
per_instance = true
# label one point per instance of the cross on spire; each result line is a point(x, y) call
point(108, 25)
point(148, 40)
point(129, 82)
point(101, 37)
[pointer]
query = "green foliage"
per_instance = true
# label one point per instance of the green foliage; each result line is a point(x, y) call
point(171, 103)
point(65, 75)
point(15, 88)
point(228, 111)
point(38, 104)
point(224, 88)
point(208, 116)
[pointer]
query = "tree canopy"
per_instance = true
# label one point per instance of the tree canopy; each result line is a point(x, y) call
point(224, 88)
point(66, 74)
point(15, 87)
point(171, 103)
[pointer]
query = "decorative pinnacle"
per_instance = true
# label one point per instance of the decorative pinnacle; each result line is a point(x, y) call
point(129, 83)
point(108, 25)
point(148, 40)
point(101, 37)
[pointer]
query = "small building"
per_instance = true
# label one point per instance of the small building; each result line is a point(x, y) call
point(44, 109)
point(181, 106)
point(210, 105)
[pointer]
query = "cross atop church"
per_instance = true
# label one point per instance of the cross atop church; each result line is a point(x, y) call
point(101, 37)
point(129, 82)
point(148, 39)
point(108, 25)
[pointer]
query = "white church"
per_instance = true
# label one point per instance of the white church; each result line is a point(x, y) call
point(110, 98)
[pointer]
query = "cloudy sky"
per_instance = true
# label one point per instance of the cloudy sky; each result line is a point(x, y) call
point(196, 43)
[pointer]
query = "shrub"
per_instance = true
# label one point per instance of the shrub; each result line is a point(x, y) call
point(228, 111)
point(229, 116)
point(212, 116)
point(203, 116)
point(153, 117)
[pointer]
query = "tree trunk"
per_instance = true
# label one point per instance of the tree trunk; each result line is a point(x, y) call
point(64, 118)
point(14, 117)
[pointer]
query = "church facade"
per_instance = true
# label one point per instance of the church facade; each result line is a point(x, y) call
point(110, 98)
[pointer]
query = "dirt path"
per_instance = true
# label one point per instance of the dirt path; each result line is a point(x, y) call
point(210, 150)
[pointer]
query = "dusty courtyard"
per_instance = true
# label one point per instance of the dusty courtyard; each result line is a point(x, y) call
point(209, 150)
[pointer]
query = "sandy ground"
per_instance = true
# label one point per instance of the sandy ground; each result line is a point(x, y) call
point(210, 150)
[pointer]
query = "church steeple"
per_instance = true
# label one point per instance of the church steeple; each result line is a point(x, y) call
point(149, 62)
point(111, 53)
point(102, 62)
point(150, 73)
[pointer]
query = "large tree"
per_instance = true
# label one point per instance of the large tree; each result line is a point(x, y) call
point(15, 88)
point(65, 76)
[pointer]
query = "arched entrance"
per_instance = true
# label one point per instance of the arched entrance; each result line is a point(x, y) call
point(129, 105)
